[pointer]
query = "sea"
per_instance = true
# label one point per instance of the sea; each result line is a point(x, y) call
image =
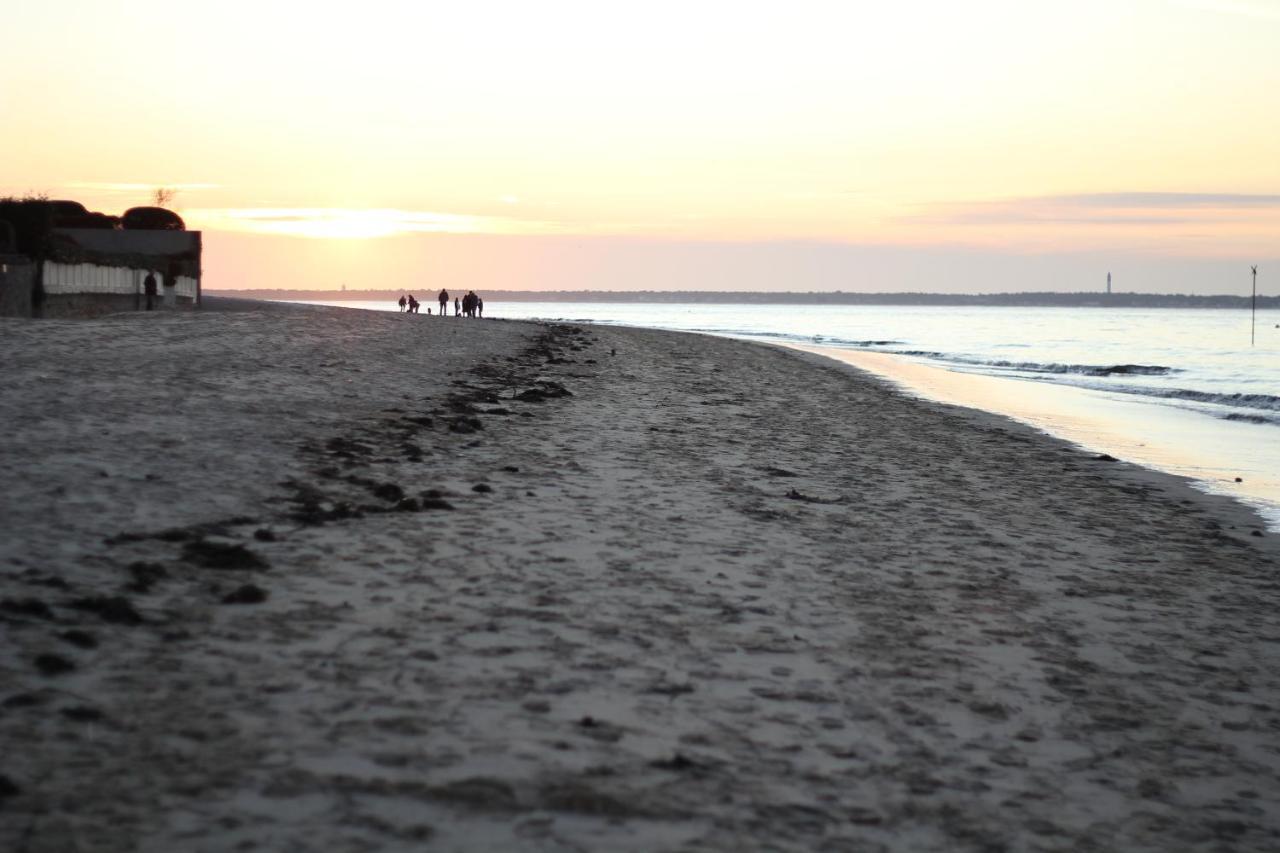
point(1192, 392)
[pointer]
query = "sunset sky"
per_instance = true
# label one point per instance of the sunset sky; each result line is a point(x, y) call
point(984, 145)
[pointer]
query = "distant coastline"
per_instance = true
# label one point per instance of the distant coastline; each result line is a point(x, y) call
point(1066, 300)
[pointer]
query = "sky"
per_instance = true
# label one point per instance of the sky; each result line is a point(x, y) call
point(982, 146)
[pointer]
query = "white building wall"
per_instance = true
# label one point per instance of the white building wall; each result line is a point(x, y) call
point(93, 278)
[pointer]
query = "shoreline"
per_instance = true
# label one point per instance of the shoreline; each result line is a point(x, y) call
point(1145, 430)
point(548, 586)
point(1012, 399)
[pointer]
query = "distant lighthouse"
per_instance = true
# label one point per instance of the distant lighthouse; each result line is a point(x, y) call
point(1108, 284)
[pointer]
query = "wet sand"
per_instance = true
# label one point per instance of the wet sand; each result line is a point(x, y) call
point(1175, 442)
point(309, 578)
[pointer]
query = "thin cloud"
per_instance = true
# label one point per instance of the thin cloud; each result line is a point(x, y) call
point(1166, 201)
point(353, 223)
point(1125, 208)
point(127, 187)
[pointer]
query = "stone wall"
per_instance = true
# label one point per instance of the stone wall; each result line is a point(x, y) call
point(17, 285)
point(79, 305)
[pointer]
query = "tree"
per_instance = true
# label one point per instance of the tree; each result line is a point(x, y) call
point(163, 196)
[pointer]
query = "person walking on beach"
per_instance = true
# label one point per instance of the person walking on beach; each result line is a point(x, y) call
point(444, 301)
point(413, 304)
point(149, 288)
point(457, 307)
point(479, 307)
point(402, 303)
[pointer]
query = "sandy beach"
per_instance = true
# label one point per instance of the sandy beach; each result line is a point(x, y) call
point(294, 578)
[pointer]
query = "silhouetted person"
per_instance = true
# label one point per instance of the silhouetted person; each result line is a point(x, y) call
point(444, 302)
point(402, 302)
point(457, 307)
point(413, 304)
point(480, 307)
point(149, 288)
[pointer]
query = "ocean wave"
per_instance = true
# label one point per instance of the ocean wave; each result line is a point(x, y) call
point(798, 338)
point(1051, 367)
point(1084, 369)
point(1248, 418)
point(1259, 408)
point(1265, 402)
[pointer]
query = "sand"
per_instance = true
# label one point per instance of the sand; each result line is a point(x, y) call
point(322, 579)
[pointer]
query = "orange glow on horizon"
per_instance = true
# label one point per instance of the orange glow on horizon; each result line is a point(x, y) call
point(1137, 125)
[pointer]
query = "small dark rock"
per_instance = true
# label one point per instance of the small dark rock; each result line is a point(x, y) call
point(53, 664)
point(672, 690)
point(389, 492)
point(797, 495)
point(246, 594)
point(22, 700)
point(482, 488)
point(408, 505)
point(345, 447)
point(114, 608)
point(51, 581)
point(27, 607)
point(1106, 457)
point(676, 762)
point(1150, 788)
point(1239, 479)
point(262, 534)
point(215, 555)
point(1256, 533)
point(79, 639)
point(432, 500)
point(588, 722)
point(82, 714)
point(465, 424)
point(145, 575)
point(511, 469)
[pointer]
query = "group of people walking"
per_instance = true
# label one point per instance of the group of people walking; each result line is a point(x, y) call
point(470, 305)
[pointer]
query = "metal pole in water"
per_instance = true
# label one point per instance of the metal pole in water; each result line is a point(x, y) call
point(1253, 313)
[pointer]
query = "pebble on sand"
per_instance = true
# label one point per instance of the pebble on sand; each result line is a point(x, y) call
point(53, 664)
point(246, 594)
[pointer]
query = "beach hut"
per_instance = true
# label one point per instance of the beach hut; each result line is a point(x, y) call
point(62, 260)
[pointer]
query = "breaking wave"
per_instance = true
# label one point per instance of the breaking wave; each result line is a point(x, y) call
point(1265, 402)
point(1052, 367)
